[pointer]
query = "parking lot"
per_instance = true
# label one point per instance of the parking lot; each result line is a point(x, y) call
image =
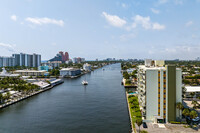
point(167, 128)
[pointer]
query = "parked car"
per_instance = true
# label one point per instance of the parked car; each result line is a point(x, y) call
point(196, 119)
point(144, 125)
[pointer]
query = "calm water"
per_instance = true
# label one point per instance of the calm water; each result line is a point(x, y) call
point(73, 108)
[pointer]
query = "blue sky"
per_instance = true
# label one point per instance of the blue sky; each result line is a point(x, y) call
point(158, 29)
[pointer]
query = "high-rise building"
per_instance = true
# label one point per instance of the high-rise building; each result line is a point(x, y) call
point(67, 56)
point(61, 57)
point(78, 60)
point(7, 61)
point(159, 90)
point(17, 59)
point(29, 60)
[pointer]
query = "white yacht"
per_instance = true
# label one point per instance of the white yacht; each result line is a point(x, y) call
point(84, 82)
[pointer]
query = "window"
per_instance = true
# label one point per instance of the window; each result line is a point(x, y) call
point(164, 72)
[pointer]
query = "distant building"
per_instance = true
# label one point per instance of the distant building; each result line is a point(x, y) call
point(29, 60)
point(61, 56)
point(69, 61)
point(87, 67)
point(78, 60)
point(31, 72)
point(197, 59)
point(159, 90)
point(110, 59)
point(4, 73)
point(67, 72)
point(52, 64)
point(192, 89)
point(46, 68)
point(7, 61)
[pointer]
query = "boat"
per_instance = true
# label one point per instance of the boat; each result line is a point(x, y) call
point(84, 82)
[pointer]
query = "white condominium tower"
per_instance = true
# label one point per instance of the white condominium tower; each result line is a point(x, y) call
point(159, 89)
point(30, 60)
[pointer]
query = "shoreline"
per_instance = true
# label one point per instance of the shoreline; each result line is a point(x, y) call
point(58, 82)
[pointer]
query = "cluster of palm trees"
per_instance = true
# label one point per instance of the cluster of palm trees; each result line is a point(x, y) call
point(5, 97)
point(17, 84)
point(186, 111)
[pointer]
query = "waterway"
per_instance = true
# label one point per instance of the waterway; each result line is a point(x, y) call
point(99, 107)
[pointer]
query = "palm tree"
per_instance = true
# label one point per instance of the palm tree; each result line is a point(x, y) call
point(139, 123)
point(186, 112)
point(180, 107)
point(198, 97)
point(193, 114)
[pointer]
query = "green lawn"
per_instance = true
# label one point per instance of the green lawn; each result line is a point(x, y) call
point(134, 109)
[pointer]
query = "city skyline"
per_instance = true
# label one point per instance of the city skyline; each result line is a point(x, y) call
point(101, 29)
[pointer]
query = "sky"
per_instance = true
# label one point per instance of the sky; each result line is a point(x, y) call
point(157, 29)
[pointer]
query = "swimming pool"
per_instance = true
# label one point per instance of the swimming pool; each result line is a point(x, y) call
point(132, 93)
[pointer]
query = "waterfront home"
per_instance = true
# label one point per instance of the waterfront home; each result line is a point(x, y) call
point(68, 72)
point(31, 72)
point(87, 67)
point(192, 89)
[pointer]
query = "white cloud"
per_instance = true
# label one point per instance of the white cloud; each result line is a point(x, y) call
point(157, 26)
point(146, 23)
point(114, 20)
point(189, 23)
point(13, 17)
point(8, 47)
point(155, 11)
point(45, 20)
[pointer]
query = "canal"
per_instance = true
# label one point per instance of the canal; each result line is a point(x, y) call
point(72, 108)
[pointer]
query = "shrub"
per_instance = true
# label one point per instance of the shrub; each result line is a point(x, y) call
point(176, 122)
point(143, 131)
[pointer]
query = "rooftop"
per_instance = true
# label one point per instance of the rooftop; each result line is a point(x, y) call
point(69, 69)
point(192, 88)
point(30, 71)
